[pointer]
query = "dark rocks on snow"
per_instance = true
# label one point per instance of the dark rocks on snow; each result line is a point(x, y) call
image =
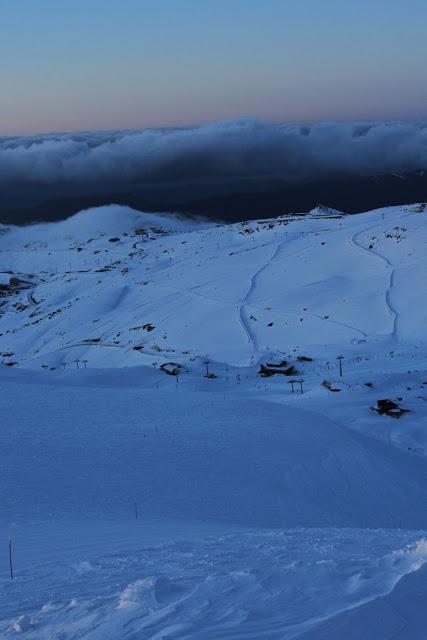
point(389, 408)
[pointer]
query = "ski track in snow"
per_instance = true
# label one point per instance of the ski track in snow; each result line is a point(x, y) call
point(244, 320)
point(243, 315)
point(316, 315)
point(363, 334)
point(392, 310)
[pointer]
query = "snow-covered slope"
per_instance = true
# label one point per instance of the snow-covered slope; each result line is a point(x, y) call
point(216, 503)
point(109, 280)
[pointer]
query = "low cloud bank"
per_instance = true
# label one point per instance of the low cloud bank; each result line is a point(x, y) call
point(225, 150)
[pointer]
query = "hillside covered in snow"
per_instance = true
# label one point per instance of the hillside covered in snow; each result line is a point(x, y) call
point(116, 287)
point(214, 431)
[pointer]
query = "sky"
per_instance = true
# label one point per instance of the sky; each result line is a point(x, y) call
point(73, 65)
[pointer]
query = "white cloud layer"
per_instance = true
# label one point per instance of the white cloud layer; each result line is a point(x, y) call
point(239, 148)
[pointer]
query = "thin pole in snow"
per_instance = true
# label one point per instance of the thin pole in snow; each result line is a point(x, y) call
point(10, 558)
point(340, 359)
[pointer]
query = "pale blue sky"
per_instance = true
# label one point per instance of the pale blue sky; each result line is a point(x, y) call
point(96, 64)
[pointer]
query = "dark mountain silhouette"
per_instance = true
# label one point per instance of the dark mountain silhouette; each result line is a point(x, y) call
point(224, 201)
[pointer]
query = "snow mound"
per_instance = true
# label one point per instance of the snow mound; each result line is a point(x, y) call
point(118, 219)
point(98, 222)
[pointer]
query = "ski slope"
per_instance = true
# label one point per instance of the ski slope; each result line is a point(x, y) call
point(147, 505)
point(232, 293)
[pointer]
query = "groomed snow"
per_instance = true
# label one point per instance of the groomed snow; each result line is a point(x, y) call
point(144, 505)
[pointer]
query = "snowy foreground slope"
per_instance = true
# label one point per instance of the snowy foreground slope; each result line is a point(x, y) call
point(216, 503)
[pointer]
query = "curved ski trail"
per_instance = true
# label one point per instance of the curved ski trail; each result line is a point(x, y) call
point(244, 320)
point(392, 310)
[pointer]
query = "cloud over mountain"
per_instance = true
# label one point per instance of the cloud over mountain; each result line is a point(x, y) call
point(224, 150)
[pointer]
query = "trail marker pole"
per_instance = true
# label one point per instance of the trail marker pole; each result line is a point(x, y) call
point(340, 359)
point(10, 558)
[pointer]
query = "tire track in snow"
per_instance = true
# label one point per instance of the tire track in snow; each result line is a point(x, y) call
point(392, 310)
